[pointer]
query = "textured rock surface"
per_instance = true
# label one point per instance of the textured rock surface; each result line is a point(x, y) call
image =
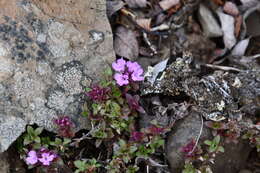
point(49, 50)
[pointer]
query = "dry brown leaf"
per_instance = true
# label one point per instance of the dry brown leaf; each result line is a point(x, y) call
point(125, 43)
point(238, 24)
point(231, 8)
point(167, 4)
point(136, 3)
point(144, 23)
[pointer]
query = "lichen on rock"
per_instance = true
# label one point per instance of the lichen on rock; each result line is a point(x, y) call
point(49, 51)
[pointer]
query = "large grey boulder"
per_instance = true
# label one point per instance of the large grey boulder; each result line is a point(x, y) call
point(49, 51)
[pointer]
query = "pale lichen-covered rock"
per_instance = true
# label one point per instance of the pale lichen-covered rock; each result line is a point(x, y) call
point(49, 51)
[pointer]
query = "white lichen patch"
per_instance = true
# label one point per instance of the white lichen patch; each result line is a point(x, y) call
point(58, 100)
point(70, 79)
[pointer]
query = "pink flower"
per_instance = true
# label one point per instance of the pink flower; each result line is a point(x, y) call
point(65, 126)
point(32, 158)
point(119, 65)
point(121, 79)
point(136, 75)
point(128, 72)
point(137, 136)
point(154, 130)
point(133, 66)
point(188, 148)
point(98, 94)
point(47, 158)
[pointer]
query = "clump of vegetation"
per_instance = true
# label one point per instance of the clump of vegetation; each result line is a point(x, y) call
point(203, 155)
point(112, 106)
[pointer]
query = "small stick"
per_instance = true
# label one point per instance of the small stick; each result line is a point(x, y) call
point(147, 41)
point(197, 140)
point(224, 68)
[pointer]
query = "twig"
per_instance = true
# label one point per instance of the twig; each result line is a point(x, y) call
point(154, 163)
point(197, 140)
point(255, 56)
point(151, 46)
point(147, 168)
point(224, 68)
point(85, 136)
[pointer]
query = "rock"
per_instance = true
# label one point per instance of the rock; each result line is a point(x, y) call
point(209, 24)
point(245, 171)
point(183, 132)
point(49, 51)
point(231, 161)
point(4, 164)
point(252, 24)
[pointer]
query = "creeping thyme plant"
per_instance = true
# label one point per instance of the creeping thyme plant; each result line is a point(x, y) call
point(112, 106)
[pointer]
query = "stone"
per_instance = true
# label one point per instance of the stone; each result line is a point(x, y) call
point(182, 133)
point(4, 164)
point(209, 24)
point(49, 51)
point(231, 161)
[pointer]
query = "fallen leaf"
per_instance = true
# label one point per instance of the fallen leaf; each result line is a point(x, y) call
point(240, 48)
point(113, 6)
point(125, 43)
point(238, 24)
point(231, 8)
point(167, 4)
point(144, 23)
point(228, 28)
point(136, 3)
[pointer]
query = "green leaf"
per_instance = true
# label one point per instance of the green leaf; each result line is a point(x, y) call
point(188, 168)
point(207, 142)
point(108, 71)
point(26, 140)
point(221, 149)
point(38, 131)
point(66, 141)
point(217, 139)
point(88, 89)
point(37, 139)
point(80, 164)
point(85, 113)
point(30, 130)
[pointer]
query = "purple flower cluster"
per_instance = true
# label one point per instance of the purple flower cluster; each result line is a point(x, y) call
point(43, 156)
point(133, 102)
point(154, 130)
point(188, 149)
point(127, 72)
point(98, 94)
point(65, 126)
point(63, 121)
point(137, 136)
